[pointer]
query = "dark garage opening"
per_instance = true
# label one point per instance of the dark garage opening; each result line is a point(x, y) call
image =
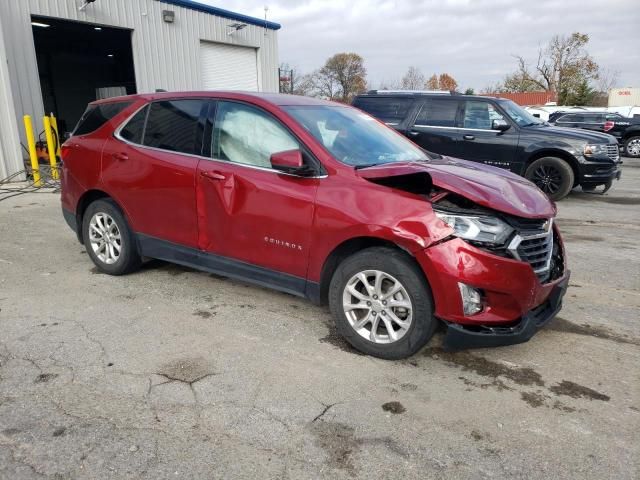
point(79, 63)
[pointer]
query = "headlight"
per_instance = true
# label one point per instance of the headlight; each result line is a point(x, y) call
point(594, 149)
point(478, 228)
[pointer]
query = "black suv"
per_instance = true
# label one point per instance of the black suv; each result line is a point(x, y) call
point(626, 130)
point(498, 132)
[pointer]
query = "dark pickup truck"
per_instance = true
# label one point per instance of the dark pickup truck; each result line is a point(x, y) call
point(625, 129)
point(498, 132)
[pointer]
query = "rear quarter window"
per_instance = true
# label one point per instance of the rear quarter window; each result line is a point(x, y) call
point(97, 115)
point(389, 110)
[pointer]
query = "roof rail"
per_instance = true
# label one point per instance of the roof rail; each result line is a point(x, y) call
point(411, 92)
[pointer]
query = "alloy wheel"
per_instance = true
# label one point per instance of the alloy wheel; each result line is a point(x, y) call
point(547, 178)
point(633, 147)
point(377, 306)
point(105, 238)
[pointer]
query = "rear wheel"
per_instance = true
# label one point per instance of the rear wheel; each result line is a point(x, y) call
point(108, 239)
point(632, 147)
point(553, 175)
point(382, 304)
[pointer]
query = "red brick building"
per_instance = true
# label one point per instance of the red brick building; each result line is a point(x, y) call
point(528, 98)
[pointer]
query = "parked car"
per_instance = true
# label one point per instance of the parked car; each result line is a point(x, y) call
point(320, 200)
point(626, 130)
point(498, 132)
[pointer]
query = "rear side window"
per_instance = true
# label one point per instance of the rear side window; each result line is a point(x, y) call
point(388, 109)
point(134, 128)
point(173, 125)
point(438, 113)
point(97, 115)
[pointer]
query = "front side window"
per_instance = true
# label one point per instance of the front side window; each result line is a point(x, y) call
point(388, 109)
point(97, 115)
point(353, 137)
point(134, 128)
point(519, 114)
point(438, 113)
point(247, 135)
point(480, 115)
point(173, 125)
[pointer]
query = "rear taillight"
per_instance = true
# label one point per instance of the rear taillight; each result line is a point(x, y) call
point(608, 125)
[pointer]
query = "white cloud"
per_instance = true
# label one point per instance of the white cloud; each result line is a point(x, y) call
point(473, 40)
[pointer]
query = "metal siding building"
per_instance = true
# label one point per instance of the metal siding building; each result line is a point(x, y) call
point(165, 55)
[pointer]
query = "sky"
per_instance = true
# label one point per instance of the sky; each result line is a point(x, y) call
point(473, 40)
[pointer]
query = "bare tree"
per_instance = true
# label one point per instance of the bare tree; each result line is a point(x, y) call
point(413, 79)
point(562, 66)
point(607, 79)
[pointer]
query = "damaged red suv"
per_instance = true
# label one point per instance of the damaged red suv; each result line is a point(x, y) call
point(319, 200)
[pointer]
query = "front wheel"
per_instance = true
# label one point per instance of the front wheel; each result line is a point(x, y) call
point(382, 304)
point(554, 176)
point(632, 147)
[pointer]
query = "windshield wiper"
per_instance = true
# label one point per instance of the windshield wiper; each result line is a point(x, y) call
point(366, 165)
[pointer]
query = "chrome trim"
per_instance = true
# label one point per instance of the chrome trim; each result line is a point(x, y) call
point(117, 135)
point(512, 248)
point(458, 128)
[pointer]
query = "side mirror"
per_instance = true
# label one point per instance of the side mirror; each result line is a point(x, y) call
point(500, 125)
point(289, 161)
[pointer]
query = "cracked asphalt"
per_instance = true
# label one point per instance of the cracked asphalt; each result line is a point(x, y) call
point(173, 373)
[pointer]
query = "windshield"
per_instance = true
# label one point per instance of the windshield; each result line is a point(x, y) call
point(353, 137)
point(519, 114)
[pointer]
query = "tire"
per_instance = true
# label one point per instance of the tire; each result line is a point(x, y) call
point(553, 175)
point(395, 267)
point(104, 218)
point(632, 147)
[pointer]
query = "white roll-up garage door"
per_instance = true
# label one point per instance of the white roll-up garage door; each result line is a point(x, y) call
point(228, 67)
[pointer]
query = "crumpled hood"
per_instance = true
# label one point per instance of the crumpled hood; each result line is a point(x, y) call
point(488, 186)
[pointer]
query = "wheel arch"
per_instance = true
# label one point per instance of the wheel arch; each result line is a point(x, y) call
point(347, 248)
point(87, 199)
point(550, 152)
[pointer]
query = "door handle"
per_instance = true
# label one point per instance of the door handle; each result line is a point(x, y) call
point(468, 137)
point(212, 175)
point(120, 156)
point(413, 133)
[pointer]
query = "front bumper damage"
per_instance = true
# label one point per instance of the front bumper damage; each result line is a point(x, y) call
point(459, 336)
point(516, 304)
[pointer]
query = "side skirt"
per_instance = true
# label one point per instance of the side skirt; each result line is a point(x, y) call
point(161, 249)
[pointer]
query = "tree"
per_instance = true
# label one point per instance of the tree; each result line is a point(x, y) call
point(413, 79)
point(432, 83)
point(442, 82)
point(583, 94)
point(562, 66)
point(342, 77)
point(447, 82)
point(469, 91)
point(289, 78)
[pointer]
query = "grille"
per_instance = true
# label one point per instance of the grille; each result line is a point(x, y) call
point(534, 244)
point(613, 152)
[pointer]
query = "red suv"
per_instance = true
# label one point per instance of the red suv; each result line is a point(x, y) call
point(319, 200)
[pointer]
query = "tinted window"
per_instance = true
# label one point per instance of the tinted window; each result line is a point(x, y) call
point(244, 134)
point(566, 119)
point(173, 125)
point(480, 115)
point(438, 113)
point(97, 115)
point(132, 131)
point(388, 109)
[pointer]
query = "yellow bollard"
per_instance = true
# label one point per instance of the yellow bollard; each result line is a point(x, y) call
point(54, 124)
point(51, 148)
point(31, 142)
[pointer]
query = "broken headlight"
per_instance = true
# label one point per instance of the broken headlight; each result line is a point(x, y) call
point(477, 228)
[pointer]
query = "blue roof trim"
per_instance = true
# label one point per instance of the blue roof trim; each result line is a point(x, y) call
point(220, 12)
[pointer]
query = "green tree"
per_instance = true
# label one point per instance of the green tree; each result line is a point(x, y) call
point(583, 94)
point(469, 91)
